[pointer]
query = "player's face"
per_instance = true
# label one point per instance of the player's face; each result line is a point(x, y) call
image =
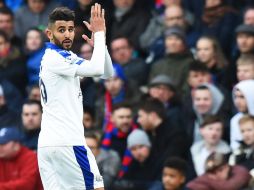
point(247, 130)
point(62, 34)
point(172, 179)
point(240, 101)
point(140, 152)
point(122, 118)
point(202, 101)
point(31, 116)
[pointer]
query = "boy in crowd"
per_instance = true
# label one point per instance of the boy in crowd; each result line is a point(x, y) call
point(174, 174)
point(244, 155)
point(245, 67)
point(211, 130)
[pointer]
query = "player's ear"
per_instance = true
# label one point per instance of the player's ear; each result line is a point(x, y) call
point(49, 34)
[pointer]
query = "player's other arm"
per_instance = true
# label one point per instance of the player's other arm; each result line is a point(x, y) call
point(100, 63)
point(94, 67)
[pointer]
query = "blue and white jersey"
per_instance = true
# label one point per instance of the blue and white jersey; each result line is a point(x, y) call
point(61, 99)
point(62, 118)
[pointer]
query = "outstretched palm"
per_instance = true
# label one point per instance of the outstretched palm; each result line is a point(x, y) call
point(97, 22)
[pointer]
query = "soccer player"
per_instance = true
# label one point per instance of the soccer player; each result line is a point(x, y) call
point(65, 161)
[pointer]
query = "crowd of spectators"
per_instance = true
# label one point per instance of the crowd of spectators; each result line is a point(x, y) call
point(178, 113)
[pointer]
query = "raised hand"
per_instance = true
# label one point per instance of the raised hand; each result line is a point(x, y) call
point(97, 22)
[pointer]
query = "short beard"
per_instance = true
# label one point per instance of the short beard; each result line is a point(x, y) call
point(59, 44)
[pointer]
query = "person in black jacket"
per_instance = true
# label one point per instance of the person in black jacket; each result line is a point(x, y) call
point(167, 140)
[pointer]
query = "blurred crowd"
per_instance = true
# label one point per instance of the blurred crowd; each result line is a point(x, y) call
point(177, 115)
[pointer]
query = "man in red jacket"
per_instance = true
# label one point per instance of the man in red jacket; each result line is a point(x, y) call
point(18, 164)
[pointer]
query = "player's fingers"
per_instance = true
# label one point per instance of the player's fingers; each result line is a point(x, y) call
point(85, 37)
point(92, 12)
point(99, 11)
point(87, 25)
point(103, 13)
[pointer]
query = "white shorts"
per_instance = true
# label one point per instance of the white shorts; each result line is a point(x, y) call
point(68, 168)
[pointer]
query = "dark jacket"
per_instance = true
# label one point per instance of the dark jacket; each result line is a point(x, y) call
point(131, 24)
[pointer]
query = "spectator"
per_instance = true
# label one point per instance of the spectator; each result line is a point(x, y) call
point(143, 170)
point(118, 129)
point(210, 53)
point(7, 117)
point(33, 14)
point(175, 62)
point(244, 103)
point(88, 118)
point(211, 130)
point(173, 15)
point(88, 85)
point(118, 89)
point(34, 93)
point(86, 51)
point(167, 140)
point(122, 53)
point(35, 49)
point(174, 174)
point(219, 175)
point(82, 13)
point(207, 100)
point(123, 21)
point(248, 16)
point(7, 25)
point(108, 160)
point(18, 165)
point(244, 155)
point(163, 88)
point(218, 20)
point(12, 64)
point(245, 38)
point(245, 67)
point(31, 120)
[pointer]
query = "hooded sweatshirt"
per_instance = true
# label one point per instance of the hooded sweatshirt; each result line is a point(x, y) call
point(217, 101)
point(247, 89)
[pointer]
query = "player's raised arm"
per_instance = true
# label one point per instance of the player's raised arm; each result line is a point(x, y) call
point(95, 67)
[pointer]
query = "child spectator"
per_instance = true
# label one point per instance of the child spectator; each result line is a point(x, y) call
point(244, 155)
point(245, 67)
point(174, 174)
point(244, 103)
point(219, 175)
point(211, 130)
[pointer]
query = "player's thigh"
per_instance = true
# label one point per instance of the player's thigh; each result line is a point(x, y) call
point(77, 168)
point(47, 172)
